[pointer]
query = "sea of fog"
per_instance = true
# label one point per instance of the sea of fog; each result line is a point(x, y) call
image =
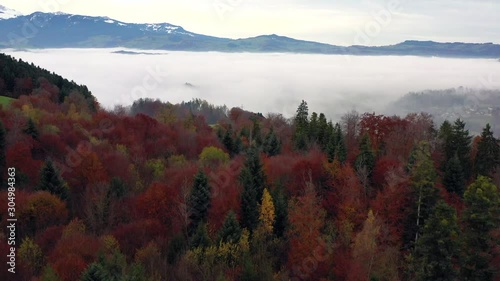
point(271, 82)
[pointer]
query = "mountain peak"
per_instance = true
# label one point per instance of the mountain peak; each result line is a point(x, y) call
point(6, 13)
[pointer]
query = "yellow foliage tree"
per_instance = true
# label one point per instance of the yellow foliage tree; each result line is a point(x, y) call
point(31, 255)
point(365, 246)
point(267, 215)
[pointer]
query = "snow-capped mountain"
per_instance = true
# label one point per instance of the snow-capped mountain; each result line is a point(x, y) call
point(61, 30)
point(6, 13)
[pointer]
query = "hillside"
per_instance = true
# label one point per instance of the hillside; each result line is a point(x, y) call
point(195, 191)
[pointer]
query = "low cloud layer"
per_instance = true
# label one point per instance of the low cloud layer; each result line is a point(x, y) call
point(262, 82)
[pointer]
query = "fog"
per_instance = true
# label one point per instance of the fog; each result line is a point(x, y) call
point(261, 82)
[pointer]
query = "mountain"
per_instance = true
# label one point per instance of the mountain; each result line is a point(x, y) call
point(60, 30)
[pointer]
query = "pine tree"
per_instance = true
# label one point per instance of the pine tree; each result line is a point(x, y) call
point(31, 129)
point(313, 128)
point(453, 178)
point(51, 181)
point(281, 212)
point(301, 122)
point(272, 145)
point(366, 156)
point(322, 131)
point(228, 141)
point(437, 250)
point(252, 178)
point(341, 151)
point(230, 231)
point(200, 237)
point(480, 217)
point(199, 201)
point(457, 141)
point(488, 153)
point(256, 132)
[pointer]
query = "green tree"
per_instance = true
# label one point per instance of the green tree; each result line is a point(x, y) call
point(366, 156)
point(230, 231)
point(313, 128)
point(51, 181)
point(31, 129)
point(322, 131)
point(301, 122)
point(457, 141)
point(256, 132)
point(437, 250)
point(200, 237)
point(480, 217)
point(453, 178)
point(341, 151)
point(199, 201)
point(488, 153)
point(281, 212)
point(253, 179)
point(272, 145)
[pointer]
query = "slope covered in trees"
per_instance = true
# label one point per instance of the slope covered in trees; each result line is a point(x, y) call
point(163, 194)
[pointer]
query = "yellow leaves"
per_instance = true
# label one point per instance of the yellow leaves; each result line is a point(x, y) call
point(167, 114)
point(157, 167)
point(267, 214)
point(213, 156)
point(31, 254)
point(76, 226)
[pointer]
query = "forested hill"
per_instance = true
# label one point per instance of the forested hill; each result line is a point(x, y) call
point(21, 78)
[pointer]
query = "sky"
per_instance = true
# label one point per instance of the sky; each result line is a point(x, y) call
point(339, 22)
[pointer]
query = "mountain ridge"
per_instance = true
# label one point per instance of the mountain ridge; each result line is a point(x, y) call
point(61, 30)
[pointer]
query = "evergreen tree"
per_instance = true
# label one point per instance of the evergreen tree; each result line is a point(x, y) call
point(424, 194)
point(453, 178)
point(281, 212)
point(228, 141)
point(301, 122)
point(199, 201)
point(200, 237)
point(256, 132)
point(457, 141)
point(313, 128)
point(230, 231)
point(366, 156)
point(341, 151)
point(480, 217)
point(31, 129)
point(488, 153)
point(51, 181)
point(322, 132)
point(2, 155)
point(252, 178)
point(272, 145)
point(437, 250)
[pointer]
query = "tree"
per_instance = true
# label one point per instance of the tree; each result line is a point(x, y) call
point(252, 178)
point(200, 237)
point(31, 129)
point(212, 156)
point(457, 141)
point(365, 247)
point(31, 255)
point(453, 178)
point(272, 145)
point(341, 151)
point(301, 122)
point(267, 211)
point(199, 201)
point(231, 230)
point(51, 181)
point(280, 203)
point(437, 250)
point(366, 156)
point(424, 193)
point(480, 217)
point(488, 153)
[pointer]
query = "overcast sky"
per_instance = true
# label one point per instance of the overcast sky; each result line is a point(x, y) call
point(340, 22)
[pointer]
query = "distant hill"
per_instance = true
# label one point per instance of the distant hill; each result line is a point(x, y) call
point(60, 30)
point(21, 78)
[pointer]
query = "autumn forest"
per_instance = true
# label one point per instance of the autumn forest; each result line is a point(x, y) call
point(195, 191)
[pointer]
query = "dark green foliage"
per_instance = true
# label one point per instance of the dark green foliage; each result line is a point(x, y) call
point(256, 132)
point(313, 128)
point(272, 145)
point(117, 188)
point(176, 248)
point(488, 153)
point(480, 217)
point(31, 129)
point(453, 178)
point(110, 268)
point(51, 181)
point(323, 134)
point(301, 121)
point(341, 151)
point(199, 201)
point(366, 156)
point(230, 231)
point(281, 212)
point(437, 250)
point(424, 194)
point(232, 147)
point(200, 237)
point(252, 178)
point(457, 141)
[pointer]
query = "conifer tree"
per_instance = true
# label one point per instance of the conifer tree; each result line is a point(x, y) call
point(51, 181)
point(281, 212)
point(480, 217)
point(230, 231)
point(301, 122)
point(366, 156)
point(252, 178)
point(453, 178)
point(199, 201)
point(488, 153)
point(341, 151)
point(200, 237)
point(31, 129)
point(272, 145)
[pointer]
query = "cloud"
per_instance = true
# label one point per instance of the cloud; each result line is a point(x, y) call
point(262, 82)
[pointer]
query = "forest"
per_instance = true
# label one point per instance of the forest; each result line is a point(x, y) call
point(195, 191)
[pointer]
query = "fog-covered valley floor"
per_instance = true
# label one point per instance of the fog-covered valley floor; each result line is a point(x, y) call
point(261, 82)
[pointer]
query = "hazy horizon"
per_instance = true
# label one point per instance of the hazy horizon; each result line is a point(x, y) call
point(272, 82)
